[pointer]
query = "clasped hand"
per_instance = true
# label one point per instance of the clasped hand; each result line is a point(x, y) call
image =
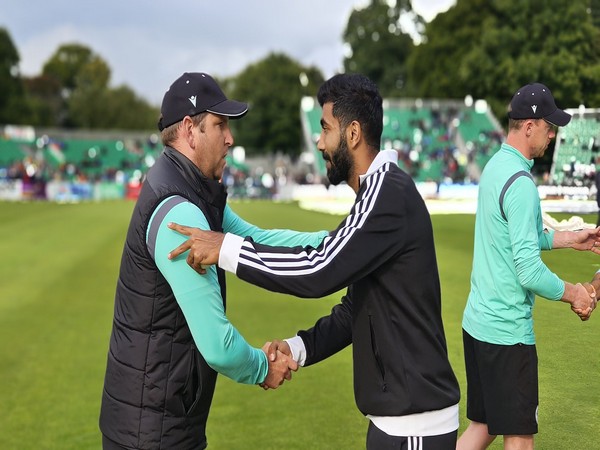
point(281, 364)
point(585, 302)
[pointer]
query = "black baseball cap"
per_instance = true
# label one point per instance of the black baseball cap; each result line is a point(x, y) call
point(535, 101)
point(194, 93)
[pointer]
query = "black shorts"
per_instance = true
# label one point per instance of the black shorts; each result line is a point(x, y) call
point(502, 386)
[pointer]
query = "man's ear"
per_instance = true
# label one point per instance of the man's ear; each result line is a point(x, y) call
point(187, 129)
point(353, 134)
point(529, 127)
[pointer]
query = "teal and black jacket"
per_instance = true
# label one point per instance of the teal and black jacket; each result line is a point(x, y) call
point(508, 271)
point(170, 334)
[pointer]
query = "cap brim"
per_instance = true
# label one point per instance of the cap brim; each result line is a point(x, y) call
point(229, 108)
point(559, 118)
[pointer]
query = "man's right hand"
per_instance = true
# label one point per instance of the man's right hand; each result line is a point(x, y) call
point(204, 246)
point(278, 346)
point(582, 298)
point(281, 365)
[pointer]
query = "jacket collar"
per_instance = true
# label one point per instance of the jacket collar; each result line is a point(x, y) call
point(526, 163)
point(210, 190)
point(384, 156)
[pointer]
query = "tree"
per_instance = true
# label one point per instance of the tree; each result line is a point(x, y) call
point(118, 108)
point(274, 88)
point(82, 76)
point(44, 100)
point(68, 63)
point(595, 11)
point(434, 65)
point(13, 108)
point(379, 47)
point(498, 46)
point(86, 100)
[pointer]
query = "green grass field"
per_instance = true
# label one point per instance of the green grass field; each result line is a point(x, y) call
point(57, 278)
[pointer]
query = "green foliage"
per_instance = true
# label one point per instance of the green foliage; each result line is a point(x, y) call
point(379, 47)
point(118, 108)
point(70, 63)
point(58, 275)
point(488, 49)
point(73, 91)
point(595, 12)
point(12, 105)
point(274, 88)
point(434, 65)
point(46, 105)
point(73, 76)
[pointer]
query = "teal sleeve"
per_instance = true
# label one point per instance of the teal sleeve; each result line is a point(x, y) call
point(232, 223)
point(199, 297)
point(547, 240)
point(523, 212)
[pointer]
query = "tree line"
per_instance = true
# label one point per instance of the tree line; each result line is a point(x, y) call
point(482, 48)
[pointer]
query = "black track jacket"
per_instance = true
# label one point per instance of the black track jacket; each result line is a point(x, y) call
point(384, 251)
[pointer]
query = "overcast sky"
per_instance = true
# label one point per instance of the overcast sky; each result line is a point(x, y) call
point(148, 43)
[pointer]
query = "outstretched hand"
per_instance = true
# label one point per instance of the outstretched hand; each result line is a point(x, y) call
point(587, 239)
point(204, 246)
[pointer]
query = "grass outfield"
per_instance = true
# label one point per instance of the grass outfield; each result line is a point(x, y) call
point(57, 279)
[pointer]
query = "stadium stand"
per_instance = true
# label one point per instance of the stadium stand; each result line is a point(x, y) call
point(71, 165)
point(11, 152)
point(443, 144)
point(75, 160)
point(91, 156)
point(437, 140)
point(577, 150)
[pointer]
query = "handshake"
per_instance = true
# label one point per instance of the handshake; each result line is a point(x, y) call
point(281, 364)
point(584, 300)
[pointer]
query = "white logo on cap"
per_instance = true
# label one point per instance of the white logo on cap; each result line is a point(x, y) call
point(534, 107)
point(193, 100)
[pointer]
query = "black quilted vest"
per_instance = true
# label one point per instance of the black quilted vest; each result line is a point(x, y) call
point(158, 388)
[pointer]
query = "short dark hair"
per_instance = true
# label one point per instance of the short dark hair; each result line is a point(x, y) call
point(169, 134)
point(355, 97)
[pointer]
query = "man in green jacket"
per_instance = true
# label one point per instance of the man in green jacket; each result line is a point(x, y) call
point(507, 274)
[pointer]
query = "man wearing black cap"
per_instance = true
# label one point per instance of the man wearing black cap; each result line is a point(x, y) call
point(507, 274)
point(170, 334)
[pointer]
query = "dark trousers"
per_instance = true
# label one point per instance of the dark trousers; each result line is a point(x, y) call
point(378, 440)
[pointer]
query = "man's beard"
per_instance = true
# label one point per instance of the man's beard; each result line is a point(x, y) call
point(341, 164)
